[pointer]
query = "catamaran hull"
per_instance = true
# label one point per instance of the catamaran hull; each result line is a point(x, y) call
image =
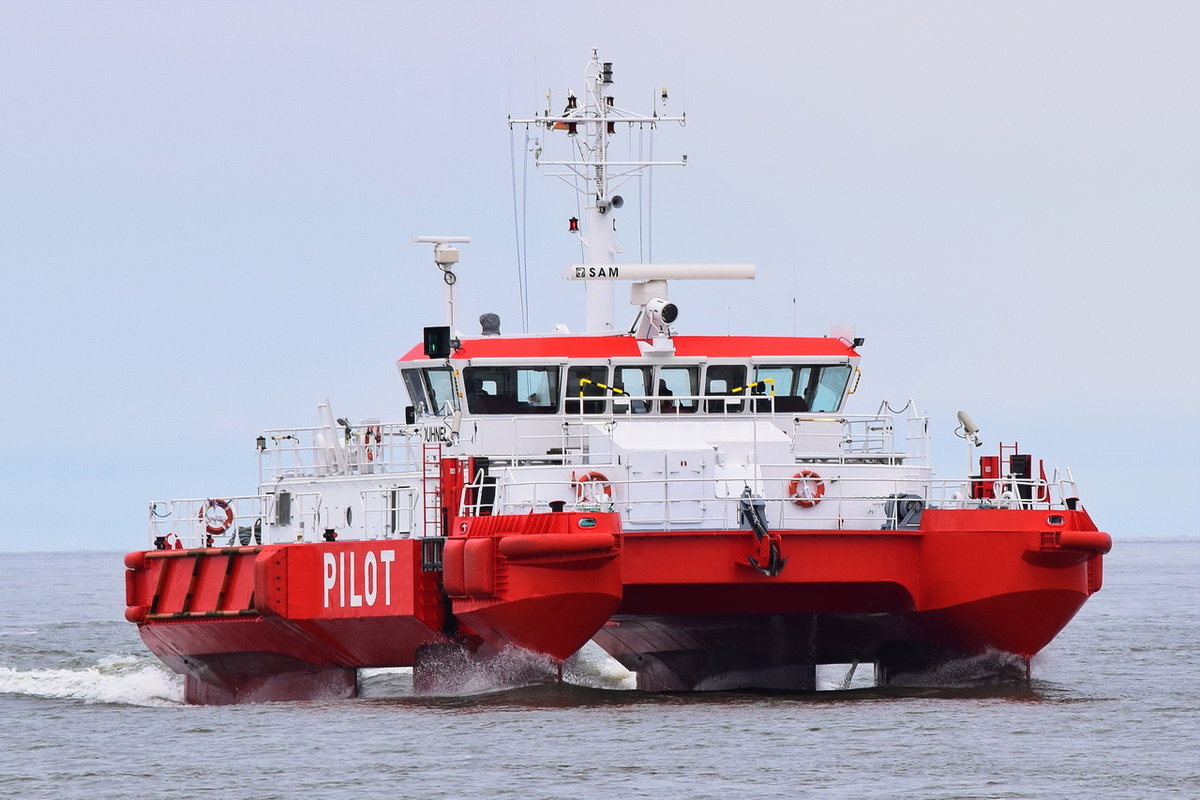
point(283, 622)
point(965, 582)
point(685, 610)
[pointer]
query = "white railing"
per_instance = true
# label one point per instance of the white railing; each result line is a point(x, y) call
point(324, 451)
point(849, 437)
point(704, 503)
point(389, 513)
point(847, 502)
point(1009, 492)
point(250, 520)
point(210, 521)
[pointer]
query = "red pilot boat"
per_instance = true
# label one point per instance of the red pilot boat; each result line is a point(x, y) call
point(705, 509)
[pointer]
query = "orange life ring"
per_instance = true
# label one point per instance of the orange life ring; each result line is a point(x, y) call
point(221, 527)
point(806, 488)
point(372, 430)
point(592, 477)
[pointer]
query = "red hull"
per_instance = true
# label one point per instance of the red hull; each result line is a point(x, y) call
point(285, 621)
point(686, 610)
point(541, 582)
point(965, 582)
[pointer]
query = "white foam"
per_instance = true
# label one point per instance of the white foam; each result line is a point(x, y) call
point(511, 668)
point(594, 668)
point(128, 680)
point(385, 682)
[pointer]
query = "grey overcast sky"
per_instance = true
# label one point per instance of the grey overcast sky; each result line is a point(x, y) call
point(206, 212)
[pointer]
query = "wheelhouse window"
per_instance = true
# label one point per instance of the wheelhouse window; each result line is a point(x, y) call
point(439, 384)
point(512, 390)
point(804, 387)
point(416, 390)
point(830, 387)
point(728, 380)
point(584, 382)
point(631, 388)
point(677, 389)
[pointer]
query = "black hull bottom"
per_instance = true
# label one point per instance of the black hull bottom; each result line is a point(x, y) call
point(781, 651)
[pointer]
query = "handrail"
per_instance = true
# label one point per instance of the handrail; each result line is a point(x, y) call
point(839, 507)
point(357, 450)
point(185, 522)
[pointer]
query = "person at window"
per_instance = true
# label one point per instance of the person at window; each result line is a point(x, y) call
point(665, 406)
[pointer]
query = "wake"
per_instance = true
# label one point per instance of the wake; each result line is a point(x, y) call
point(460, 675)
point(990, 668)
point(123, 680)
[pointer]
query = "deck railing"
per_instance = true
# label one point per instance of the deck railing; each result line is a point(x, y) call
point(868, 502)
point(849, 502)
point(354, 450)
point(389, 448)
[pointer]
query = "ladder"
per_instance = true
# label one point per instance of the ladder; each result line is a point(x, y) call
point(431, 487)
point(1006, 462)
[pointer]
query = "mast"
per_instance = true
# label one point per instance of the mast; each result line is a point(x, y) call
point(590, 123)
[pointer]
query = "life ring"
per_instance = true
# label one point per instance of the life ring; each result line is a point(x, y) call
point(220, 527)
point(806, 488)
point(598, 478)
point(372, 430)
point(1009, 499)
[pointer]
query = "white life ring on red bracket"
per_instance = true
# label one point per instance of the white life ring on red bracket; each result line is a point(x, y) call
point(806, 488)
point(214, 526)
point(597, 478)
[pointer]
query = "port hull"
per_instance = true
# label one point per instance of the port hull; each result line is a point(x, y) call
point(283, 622)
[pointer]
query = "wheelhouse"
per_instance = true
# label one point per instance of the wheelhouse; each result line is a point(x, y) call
point(574, 377)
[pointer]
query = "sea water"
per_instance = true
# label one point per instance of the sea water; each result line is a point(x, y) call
point(86, 712)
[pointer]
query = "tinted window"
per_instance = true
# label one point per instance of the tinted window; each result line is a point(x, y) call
point(830, 385)
point(677, 389)
point(416, 390)
point(584, 382)
point(724, 379)
point(800, 387)
point(512, 390)
point(440, 385)
point(634, 384)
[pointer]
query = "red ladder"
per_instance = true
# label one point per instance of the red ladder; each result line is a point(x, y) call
point(431, 487)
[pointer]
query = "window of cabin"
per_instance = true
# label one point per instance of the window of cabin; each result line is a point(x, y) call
point(723, 379)
point(800, 388)
point(634, 385)
point(788, 382)
point(512, 390)
point(677, 389)
point(585, 382)
point(829, 387)
point(416, 390)
point(439, 384)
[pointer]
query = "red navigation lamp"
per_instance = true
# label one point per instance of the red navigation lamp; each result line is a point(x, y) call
point(573, 225)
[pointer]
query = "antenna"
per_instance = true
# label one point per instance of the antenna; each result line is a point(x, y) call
point(589, 123)
point(445, 256)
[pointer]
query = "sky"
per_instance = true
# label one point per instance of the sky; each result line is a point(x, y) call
point(207, 212)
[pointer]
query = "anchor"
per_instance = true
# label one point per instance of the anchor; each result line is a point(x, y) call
point(750, 512)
